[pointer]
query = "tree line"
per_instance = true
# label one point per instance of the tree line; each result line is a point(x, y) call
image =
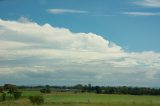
point(118, 90)
point(88, 88)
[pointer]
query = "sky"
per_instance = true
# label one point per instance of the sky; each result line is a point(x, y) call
point(67, 42)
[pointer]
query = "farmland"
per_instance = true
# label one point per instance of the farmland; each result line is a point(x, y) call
point(84, 99)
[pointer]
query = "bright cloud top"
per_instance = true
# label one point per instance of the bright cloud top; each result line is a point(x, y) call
point(34, 51)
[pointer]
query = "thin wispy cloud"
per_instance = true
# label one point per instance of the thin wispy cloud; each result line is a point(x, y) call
point(141, 13)
point(65, 11)
point(148, 3)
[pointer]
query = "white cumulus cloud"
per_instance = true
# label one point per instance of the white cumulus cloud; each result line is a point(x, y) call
point(35, 51)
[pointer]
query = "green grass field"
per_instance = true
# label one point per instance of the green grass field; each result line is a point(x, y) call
point(85, 99)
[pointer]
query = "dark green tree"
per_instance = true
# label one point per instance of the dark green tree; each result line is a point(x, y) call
point(11, 88)
point(98, 90)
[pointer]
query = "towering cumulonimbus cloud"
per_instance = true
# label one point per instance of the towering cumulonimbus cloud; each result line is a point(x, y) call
point(35, 52)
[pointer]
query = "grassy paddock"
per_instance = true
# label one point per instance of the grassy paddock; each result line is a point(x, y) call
point(85, 99)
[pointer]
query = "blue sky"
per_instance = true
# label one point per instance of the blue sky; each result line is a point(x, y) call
point(103, 42)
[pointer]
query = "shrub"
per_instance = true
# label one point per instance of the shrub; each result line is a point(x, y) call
point(3, 96)
point(38, 100)
point(17, 95)
point(48, 90)
point(42, 90)
point(45, 90)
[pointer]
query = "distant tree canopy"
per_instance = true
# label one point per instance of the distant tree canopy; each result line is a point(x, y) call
point(12, 90)
point(86, 88)
point(121, 90)
point(46, 89)
point(78, 86)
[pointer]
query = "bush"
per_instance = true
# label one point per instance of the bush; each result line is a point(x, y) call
point(48, 90)
point(38, 100)
point(45, 90)
point(17, 95)
point(3, 96)
point(42, 90)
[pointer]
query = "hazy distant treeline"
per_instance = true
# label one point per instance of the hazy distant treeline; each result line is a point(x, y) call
point(118, 90)
point(99, 89)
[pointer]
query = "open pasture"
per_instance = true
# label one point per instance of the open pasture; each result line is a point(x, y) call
point(85, 99)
